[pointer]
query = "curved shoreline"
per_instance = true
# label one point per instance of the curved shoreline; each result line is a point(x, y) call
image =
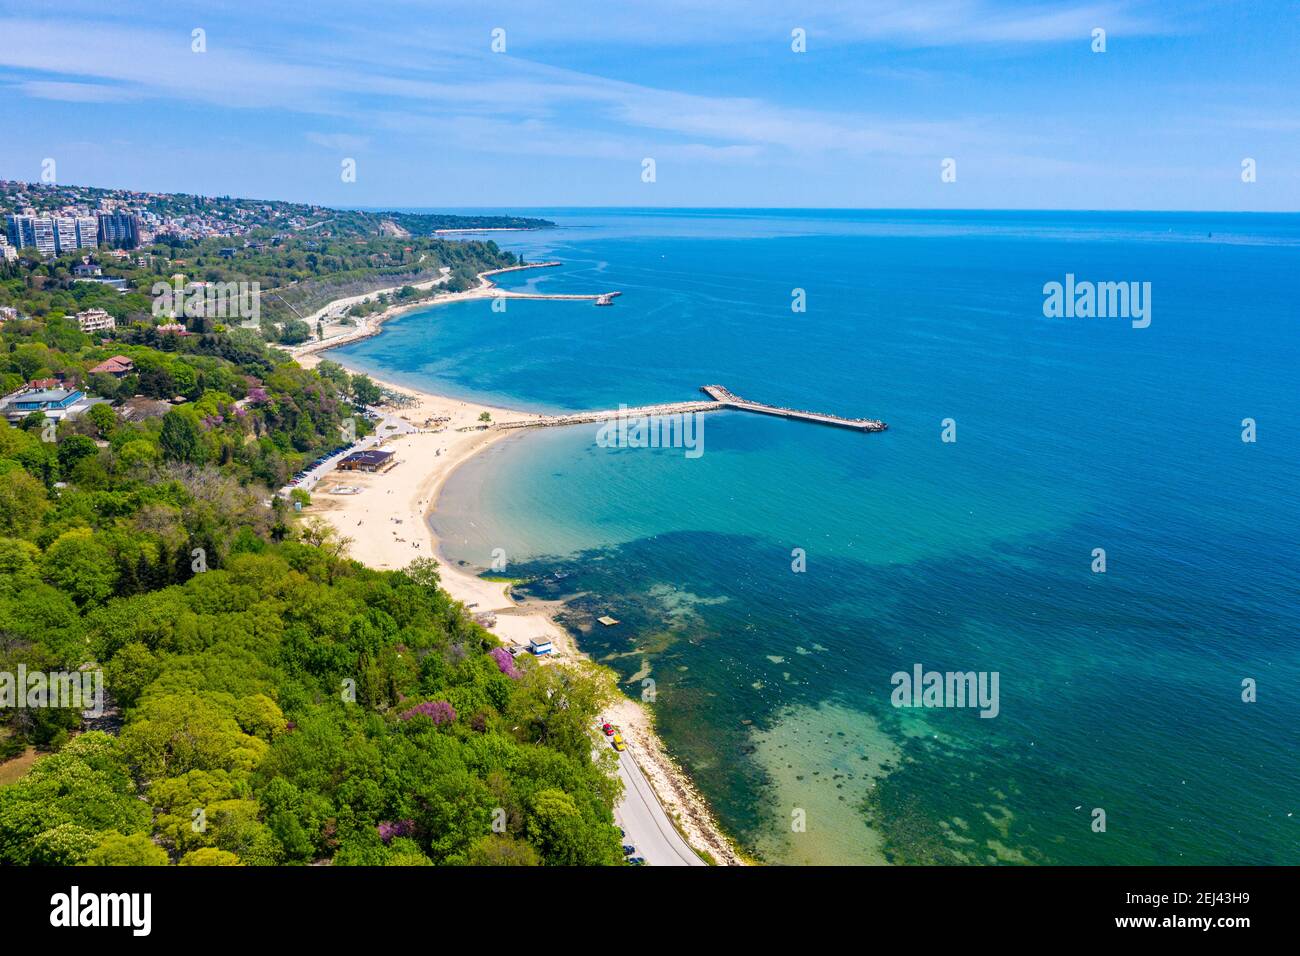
point(371, 325)
point(368, 326)
point(447, 435)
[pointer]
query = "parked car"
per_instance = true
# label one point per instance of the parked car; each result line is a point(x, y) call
point(636, 860)
point(619, 745)
point(609, 729)
point(628, 849)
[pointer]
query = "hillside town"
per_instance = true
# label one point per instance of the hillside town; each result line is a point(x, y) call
point(54, 219)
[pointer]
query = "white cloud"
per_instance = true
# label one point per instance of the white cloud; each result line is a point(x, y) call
point(74, 92)
point(339, 141)
point(418, 82)
point(693, 24)
point(449, 90)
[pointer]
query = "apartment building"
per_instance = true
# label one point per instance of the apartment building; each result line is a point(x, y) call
point(95, 320)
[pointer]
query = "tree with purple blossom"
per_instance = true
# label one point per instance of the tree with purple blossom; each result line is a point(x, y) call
point(505, 662)
point(439, 711)
point(388, 829)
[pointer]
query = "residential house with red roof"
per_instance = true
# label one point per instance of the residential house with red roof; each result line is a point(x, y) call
point(117, 366)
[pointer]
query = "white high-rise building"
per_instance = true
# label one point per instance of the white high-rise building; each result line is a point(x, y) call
point(87, 232)
point(65, 231)
point(45, 237)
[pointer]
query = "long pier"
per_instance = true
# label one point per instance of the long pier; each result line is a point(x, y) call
point(721, 398)
point(485, 280)
point(551, 264)
point(600, 298)
point(726, 397)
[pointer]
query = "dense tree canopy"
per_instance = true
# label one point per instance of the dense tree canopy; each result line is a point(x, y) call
point(269, 701)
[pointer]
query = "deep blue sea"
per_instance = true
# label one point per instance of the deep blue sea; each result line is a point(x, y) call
point(1119, 692)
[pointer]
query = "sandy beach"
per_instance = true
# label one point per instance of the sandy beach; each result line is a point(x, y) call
point(385, 515)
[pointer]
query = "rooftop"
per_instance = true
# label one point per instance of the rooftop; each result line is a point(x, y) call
point(118, 363)
point(368, 457)
point(47, 395)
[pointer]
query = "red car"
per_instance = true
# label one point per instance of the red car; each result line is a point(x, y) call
point(609, 729)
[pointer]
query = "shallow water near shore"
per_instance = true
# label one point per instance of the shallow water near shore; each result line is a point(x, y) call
point(1119, 691)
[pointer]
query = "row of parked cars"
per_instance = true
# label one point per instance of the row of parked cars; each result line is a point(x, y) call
point(629, 851)
point(615, 738)
point(307, 469)
point(617, 742)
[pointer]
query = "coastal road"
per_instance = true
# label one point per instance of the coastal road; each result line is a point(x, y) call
point(336, 308)
point(646, 822)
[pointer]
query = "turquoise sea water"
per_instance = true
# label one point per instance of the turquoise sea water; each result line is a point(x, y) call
point(1120, 691)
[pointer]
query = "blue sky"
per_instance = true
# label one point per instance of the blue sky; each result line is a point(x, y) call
point(710, 90)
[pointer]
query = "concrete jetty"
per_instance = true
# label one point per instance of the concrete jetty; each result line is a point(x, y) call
point(726, 397)
point(721, 399)
point(600, 298)
point(527, 265)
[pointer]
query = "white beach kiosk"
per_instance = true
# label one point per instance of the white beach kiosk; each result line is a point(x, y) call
point(539, 646)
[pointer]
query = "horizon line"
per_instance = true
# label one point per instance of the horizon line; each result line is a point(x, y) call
point(1053, 209)
point(397, 207)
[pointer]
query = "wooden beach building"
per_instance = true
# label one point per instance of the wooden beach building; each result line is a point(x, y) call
point(372, 459)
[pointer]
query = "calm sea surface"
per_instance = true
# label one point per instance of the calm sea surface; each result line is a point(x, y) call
point(1120, 691)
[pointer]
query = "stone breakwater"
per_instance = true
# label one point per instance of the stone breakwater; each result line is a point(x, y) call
point(603, 415)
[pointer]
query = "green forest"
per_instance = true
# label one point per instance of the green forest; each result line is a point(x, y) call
point(269, 701)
